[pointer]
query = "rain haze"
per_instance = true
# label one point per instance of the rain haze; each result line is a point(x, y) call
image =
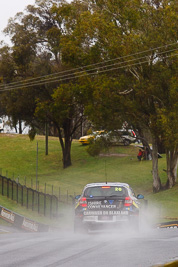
point(60, 246)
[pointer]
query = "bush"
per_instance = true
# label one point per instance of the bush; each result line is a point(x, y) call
point(97, 146)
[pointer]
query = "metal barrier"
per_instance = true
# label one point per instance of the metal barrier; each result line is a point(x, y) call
point(22, 222)
point(45, 204)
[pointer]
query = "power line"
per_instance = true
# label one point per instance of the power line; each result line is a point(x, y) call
point(95, 69)
point(86, 66)
point(77, 76)
point(18, 85)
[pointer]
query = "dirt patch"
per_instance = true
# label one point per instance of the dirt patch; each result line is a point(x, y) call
point(114, 155)
point(7, 134)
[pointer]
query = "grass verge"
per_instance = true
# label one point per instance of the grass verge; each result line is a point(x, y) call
point(18, 160)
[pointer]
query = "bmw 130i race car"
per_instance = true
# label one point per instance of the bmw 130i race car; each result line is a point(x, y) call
point(106, 204)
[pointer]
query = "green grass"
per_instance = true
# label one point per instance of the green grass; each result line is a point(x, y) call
point(18, 159)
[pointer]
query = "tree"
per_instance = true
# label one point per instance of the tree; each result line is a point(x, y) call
point(65, 109)
point(115, 32)
point(127, 30)
point(34, 34)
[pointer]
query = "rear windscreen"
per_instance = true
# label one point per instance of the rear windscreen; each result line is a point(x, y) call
point(106, 191)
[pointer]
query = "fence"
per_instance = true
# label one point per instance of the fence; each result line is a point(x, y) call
point(45, 188)
point(45, 204)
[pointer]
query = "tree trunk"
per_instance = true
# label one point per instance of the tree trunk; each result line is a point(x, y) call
point(172, 163)
point(67, 153)
point(20, 127)
point(65, 144)
point(161, 148)
point(156, 179)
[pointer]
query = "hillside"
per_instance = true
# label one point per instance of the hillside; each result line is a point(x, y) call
point(18, 159)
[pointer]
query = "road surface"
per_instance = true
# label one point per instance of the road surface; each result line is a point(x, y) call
point(59, 248)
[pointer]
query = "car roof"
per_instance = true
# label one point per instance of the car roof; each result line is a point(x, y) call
point(107, 184)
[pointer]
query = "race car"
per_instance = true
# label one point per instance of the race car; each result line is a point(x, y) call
point(106, 205)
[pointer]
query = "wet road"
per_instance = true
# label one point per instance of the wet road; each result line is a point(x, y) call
point(123, 249)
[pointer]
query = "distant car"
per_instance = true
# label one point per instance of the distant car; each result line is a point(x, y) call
point(106, 205)
point(127, 136)
point(1, 125)
point(123, 136)
point(85, 140)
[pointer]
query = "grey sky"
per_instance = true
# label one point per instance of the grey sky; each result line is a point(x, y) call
point(8, 9)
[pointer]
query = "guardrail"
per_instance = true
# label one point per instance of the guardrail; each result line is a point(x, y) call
point(45, 204)
point(22, 222)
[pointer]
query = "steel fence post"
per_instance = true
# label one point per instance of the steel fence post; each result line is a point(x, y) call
point(12, 189)
point(33, 200)
point(51, 206)
point(3, 186)
point(17, 193)
point(38, 202)
point(27, 198)
point(45, 205)
point(8, 188)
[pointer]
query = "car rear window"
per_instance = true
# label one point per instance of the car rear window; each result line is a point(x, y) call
point(106, 191)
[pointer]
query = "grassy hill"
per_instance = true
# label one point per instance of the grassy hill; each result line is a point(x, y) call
point(18, 157)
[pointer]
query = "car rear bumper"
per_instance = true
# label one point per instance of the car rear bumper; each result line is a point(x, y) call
point(105, 219)
point(84, 142)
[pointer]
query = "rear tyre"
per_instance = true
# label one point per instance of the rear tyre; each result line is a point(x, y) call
point(80, 227)
point(136, 225)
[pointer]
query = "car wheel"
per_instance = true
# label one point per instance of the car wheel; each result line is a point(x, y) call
point(126, 142)
point(79, 227)
point(135, 225)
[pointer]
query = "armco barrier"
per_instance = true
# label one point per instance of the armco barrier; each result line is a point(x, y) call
point(22, 222)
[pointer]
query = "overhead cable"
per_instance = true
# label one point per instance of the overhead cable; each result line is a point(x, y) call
point(57, 78)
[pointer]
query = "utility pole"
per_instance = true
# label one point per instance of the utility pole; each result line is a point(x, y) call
point(46, 138)
point(36, 165)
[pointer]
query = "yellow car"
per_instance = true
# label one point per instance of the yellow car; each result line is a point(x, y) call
point(85, 140)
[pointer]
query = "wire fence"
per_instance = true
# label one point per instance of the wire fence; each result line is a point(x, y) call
point(45, 188)
point(46, 204)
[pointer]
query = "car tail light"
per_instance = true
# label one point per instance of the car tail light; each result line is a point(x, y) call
point(128, 202)
point(106, 187)
point(83, 202)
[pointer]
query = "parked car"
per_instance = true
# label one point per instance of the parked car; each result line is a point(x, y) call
point(106, 205)
point(85, 140)
point(1, 125)
point(118, 136)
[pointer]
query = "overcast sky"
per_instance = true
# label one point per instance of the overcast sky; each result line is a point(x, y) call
point(8, 9)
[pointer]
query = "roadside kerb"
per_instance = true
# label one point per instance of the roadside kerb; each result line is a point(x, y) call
point(171, 224)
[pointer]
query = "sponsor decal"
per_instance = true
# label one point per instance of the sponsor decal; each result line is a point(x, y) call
point(30, 225)
point(118, 189)
point(111, 201)
point(101, 207)
point(105, 212)
point(7, 215)
point(94, 202)
point(98, 205)
point(93, 212)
